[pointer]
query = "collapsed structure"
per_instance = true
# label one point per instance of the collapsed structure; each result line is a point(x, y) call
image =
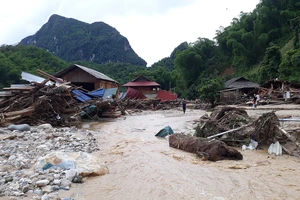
point(53, 100)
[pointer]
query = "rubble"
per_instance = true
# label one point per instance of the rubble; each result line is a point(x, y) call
point(234, 127)
point(20, 153)
point(56, 104)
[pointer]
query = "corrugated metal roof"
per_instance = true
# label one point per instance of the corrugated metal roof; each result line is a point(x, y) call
point(81, 96)
point(134, 94)
point(92, 72)
point(31, 77)
point(109, 92)
point(164, 95)
point(97, 93)
point(141, 83)
point(240, 82)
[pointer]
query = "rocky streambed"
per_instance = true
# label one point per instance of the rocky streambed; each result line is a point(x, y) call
point(44, 160)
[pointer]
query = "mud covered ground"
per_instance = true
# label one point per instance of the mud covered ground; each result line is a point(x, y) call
point(145, 167)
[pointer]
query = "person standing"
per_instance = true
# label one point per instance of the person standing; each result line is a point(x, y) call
point(257, 99)
point(183, 105)
point(254, 101)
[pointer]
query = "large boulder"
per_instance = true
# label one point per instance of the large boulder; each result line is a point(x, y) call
point(214, 149)
point(19, 127)
point(84, 163)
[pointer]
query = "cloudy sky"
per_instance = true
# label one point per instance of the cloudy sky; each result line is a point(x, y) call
point(153, 27)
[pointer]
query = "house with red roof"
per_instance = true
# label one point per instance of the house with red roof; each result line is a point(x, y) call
point(143, 85)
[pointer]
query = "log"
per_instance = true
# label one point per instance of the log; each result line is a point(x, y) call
point(25, 112)
point(215, 149)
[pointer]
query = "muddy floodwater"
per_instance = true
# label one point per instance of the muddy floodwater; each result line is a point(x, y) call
point(142, 166)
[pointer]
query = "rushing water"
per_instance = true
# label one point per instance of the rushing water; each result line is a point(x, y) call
point(145, 167)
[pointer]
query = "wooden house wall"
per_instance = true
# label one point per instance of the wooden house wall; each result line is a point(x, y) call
point(231, 96)
point(105, 84)
point(78, 75)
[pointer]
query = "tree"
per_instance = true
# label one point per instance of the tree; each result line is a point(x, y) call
point(209, 90)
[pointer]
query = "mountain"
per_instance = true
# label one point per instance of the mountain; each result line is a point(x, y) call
point(73, 40)
point(168, 62)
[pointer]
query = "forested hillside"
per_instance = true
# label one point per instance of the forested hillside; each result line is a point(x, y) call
point(264, 44)
point(15, 59)
point(261, 45)
point(74, 40)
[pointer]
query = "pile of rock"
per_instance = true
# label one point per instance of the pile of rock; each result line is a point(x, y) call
point(39, 148)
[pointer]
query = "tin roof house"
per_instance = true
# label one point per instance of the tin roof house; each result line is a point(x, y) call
point(86, 77)
point(236, 88)
point(142, 86)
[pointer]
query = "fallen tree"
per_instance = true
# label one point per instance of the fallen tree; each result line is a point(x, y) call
point(214, 149)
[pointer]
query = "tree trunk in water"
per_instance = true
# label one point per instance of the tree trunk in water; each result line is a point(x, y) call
point(214, 149)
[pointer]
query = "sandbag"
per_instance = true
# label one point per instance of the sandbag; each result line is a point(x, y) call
point(19, 127)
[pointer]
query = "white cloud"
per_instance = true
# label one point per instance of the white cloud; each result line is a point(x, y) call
point(154, 28)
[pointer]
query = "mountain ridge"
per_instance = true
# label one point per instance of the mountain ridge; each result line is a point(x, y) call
point(73, 40)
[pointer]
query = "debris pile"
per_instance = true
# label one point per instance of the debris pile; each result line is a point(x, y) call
point(60, 104)
point(20, 151)
point(279, 91)
point(234, 127)
point(220, 120)
point(147, 104)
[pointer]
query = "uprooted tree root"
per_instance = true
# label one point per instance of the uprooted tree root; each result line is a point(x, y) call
point(214, 149)
point(266, 128)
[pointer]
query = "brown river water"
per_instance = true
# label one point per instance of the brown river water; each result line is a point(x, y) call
point(142, 166)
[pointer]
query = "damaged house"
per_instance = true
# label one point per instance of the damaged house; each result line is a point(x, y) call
point(279, 90)
point(87, 78)
point(141, 88)
point(236, 89)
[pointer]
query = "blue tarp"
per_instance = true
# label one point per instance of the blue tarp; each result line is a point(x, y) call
point(106, 94)
point(165, 132)
point(81, 96)
point(97, 93)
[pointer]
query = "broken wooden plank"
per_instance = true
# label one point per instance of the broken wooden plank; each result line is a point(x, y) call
point(289, 136)
point(25, 112)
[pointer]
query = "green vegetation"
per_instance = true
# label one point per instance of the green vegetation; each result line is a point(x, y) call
point(15, 59)
point(261, 45)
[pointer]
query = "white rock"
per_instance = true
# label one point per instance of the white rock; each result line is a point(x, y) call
point(12, 157)
point(43, 147)
point(45, 197)
point(42, 183)
point(65, 183)
point(47, 189)
point(37, 191)
point(45, 127)
point(56, 176)
point(70, 174)
point(56, 181)
point(85, 163)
